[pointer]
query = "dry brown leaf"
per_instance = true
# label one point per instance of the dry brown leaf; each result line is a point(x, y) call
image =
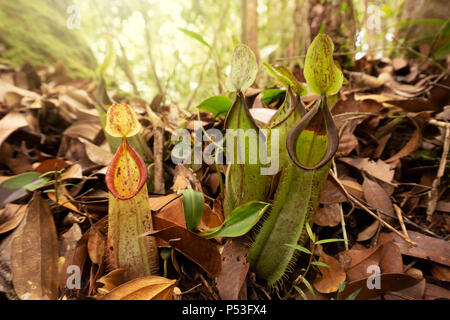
point(171, 213)
point(331, 276)
point(96, 154)
point(34, 254)
point(347, 143)
point(440, 272)
point(96, 246)
point(234, 269)
point(76, 257)
point(64, 199)
point(331, 194)
point(412, 145)
point(431, 248)
point(381, 145)
point(210, 219)
point(145, 288)
point(328, 215)
point(360, 260)
point(368, 232)
point(377, 197)
point(51, 165)
point(10, 123)
point(157, 202)
point(433, 292)
point(378, 169)
point(83, 129)
point(391, 258)
point(11, 216)
point(112, 280)
point(199, 250)
point(388, 282)
point(354, 188)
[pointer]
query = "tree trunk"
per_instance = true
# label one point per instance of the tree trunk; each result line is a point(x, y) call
point(339, 21)
point(416, 34)
point(250, 25)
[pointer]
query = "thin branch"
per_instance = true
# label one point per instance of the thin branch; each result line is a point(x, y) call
point(357, 202)
point(434, 192)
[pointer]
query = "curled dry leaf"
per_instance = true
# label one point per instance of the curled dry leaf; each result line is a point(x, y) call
point(368, 232)
point(440, 272)
point(413, 144)
point(10, 123)
point(112, 280)
point(35, 253)
point(145, 288)
point(96, 154)
point(199, 250)
point(11, 216)
point(331, 276)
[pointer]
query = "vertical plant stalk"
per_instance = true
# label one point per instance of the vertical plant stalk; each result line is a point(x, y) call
point(128, 210)
point(158, 151)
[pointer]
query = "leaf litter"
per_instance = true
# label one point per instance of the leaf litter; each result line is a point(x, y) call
point(393, 133)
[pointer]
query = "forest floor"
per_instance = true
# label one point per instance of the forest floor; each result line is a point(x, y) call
point(393, 117)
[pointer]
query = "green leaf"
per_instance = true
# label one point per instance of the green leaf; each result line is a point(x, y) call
point(442, 51)
point(319, 263)
point(217, 105)
point(285, 78)
point(298, 247)
point(341, 286)
point(309, 286)
point(321, 74)
point(328, 241)
point(28, 180)
point(195, 35)
point(354, 294)
point(240, 220)
point(243, 69)
point(110, 57)
point(193, 203)
point(310, 233)
point(300, 291)
point(271, 95)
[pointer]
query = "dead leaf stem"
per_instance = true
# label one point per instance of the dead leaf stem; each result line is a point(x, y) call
point(357, 202)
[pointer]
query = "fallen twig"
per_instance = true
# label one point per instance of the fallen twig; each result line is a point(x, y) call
point(357, 202)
